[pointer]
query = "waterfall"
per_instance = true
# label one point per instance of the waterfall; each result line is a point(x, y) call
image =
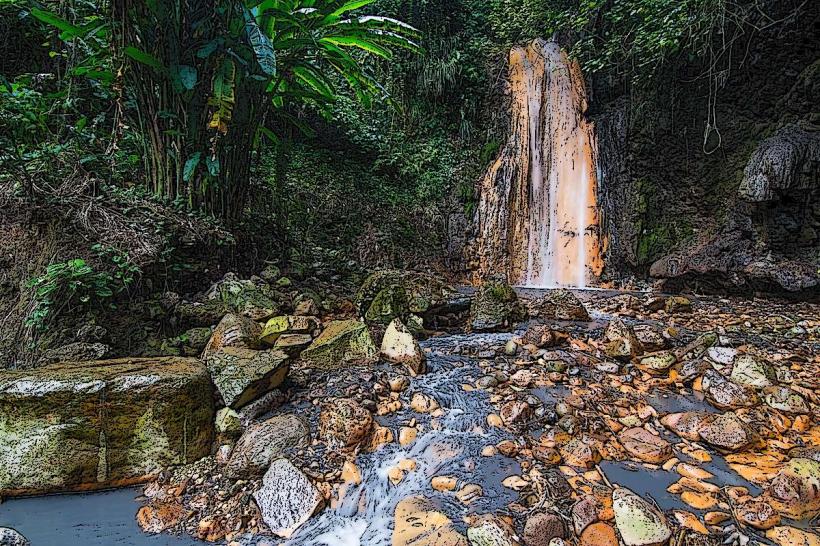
point(538, 211)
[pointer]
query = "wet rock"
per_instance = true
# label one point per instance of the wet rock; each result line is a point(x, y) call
point(495, 307)
point(264, 442)
point(511, 348)
point(645, 446)
point(486, 382)
point(752, 371)
point(228, 423)
point(795, 490)
point(270, 273)
point(541, 528)
point(156, 517)
point(786, 400)
point(341, 343)
point(651, 339)
point(444, 483)
point(585, 513)
point(697, 347)
point(243, 375)
point(639, 522)
point(726, 432)
point(344, 423)
point(542, 336)
point(725, 394)
point(657, 363)
point(287, 498)
point(812, 452)
point(489, 530)
point(234, 331)
point(423, 403)
point(307, 304)
point(157, 412)
point(599, 534)
point(580, 454)
point(558, 305)
point(75, 352)
point(261, 406)
point(245, 297)
point(417, 522)
point(469, 492)
point(758, 514)
point(10, 537)
point(192, 314)
point(293, 344)
point(721, 355)
point(621, 342)
point(678, 304)
point(792, 536)
point(515, 412)
point(399, 347)
point(287, 324)
point(390, 294)
point(523, 378)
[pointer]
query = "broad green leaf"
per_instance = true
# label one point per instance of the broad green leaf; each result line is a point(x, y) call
point(262, 48)
point(190, 166)
point(187, 76)
point(142, 57)
point(350, 6)
point(361, 43)
point(56, 21)
point(212, 164)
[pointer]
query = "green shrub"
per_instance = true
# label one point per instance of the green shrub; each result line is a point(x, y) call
point(75, 285)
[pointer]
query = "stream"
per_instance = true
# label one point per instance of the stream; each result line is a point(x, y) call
point(450, 444)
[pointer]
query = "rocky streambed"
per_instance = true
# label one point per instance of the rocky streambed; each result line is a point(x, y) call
point(631, 419)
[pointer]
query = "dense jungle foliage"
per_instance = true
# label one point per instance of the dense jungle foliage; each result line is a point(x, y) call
point(313, 133)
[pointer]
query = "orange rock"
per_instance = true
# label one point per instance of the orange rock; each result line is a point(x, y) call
point(698, 501)
point(716, 518)
point(599, 534)
point(690, 521)
point(156, 518)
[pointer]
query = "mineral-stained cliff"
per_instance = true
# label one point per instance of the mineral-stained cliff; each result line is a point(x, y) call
point(538, 215)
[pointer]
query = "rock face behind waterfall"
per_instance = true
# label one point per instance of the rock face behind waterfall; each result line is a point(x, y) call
point(89, 425)
point(768, 239)
point(537, 215)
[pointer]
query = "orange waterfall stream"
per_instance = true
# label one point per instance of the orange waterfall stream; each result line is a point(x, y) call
point(538, 212)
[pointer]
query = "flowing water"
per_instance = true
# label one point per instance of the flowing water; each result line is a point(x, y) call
point(449, 445)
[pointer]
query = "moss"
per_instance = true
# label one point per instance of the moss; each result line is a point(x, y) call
point(389, 303)
point(342, 342)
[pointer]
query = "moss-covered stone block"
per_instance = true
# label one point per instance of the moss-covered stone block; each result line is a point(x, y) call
point(96, 424)
point(341, 342)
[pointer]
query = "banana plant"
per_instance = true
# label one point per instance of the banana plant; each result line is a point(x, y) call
point(204, 75)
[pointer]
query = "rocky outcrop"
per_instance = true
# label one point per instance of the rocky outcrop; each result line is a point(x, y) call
point(390, 294)
point(769, 237)
point(264, 442)
point(399, 347)
point(787, 160)
point(287, 498)
point(90, 425)
point(495, 307)
point(342, 342)
point(243, 375)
